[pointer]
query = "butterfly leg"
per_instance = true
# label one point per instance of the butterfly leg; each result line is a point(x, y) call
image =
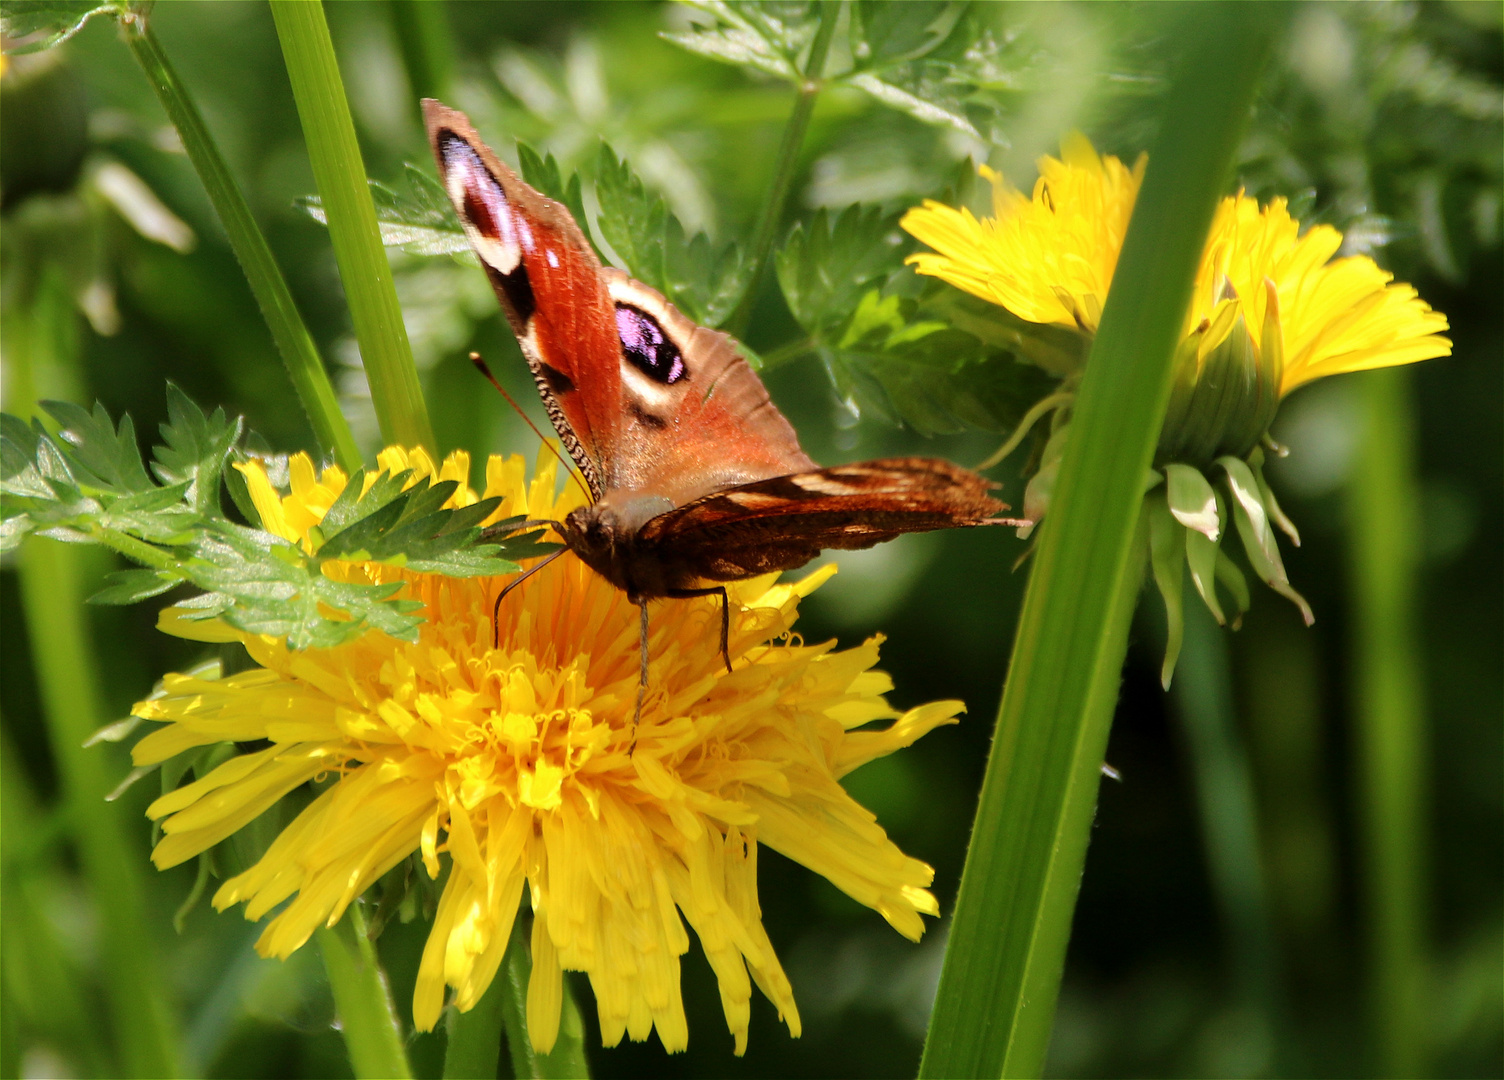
point(496, 610)
point(642, 673)
point(718, 590)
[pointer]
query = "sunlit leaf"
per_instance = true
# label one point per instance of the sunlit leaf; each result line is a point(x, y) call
point(420, 220)
point(53, 21)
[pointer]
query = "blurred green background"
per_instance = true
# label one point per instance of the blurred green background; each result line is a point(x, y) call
point(1383, 120)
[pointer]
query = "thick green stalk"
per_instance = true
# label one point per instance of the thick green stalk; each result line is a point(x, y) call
point(1390, 713)
point(268, 285)
point(996, 1000)
point(364, 270)
point(1229, 817)
point(771, 216)
point(362, 999)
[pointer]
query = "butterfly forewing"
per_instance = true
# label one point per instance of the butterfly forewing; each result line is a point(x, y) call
point(549, 284)
point(645, 399)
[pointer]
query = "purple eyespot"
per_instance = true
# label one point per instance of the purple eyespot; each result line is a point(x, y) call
point(646, 345)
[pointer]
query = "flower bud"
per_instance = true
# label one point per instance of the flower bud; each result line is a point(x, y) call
point(1226, 387)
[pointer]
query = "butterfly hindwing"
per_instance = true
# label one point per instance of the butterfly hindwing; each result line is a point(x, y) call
point(785, 521)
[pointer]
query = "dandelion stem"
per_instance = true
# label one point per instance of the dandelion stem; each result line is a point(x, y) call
point(292, 338)
point(362, 999)
point(363, 267)
point(567, 1058)
point(1229, 818)
point(473, 1046)
point(1390, 736)
point(427, 47)
point(771, 216)
point(784, 353)
point(996, 1001)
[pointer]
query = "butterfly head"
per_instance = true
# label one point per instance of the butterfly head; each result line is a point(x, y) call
point(602, 535)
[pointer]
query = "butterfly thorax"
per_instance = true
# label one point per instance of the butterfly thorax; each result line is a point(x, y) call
point(604, 535)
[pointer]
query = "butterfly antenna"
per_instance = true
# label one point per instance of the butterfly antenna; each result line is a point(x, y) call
point(496, 609)
point(475, 358)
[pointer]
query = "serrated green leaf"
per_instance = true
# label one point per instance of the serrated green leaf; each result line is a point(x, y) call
point(197, 448)
point(544, 174)
point(18, 445)
point(826, 267)
point(420, 220)
point(1053, 349)
point(765, 36)
point(471, 562)
point(932, 377)
point(55, 20)
point(703, 280)
point(13, 530)
point(149, 501)
point(101, 455)
point(131, 586)
point(706, 281)
point(952, 70)
point(885, 32)
point(631, 219)
point(240, 494)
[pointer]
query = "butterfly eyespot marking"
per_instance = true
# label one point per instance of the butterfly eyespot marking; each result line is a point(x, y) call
point(488, 214)
point(644, 343)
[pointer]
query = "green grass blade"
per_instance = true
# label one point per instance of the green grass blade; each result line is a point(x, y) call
point(261, 270)
point(996, 1000)
point(362, 999)
point(364, 270)
point(1390, 737)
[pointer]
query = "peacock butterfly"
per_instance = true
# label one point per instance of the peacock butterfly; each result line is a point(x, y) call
point(694, 475)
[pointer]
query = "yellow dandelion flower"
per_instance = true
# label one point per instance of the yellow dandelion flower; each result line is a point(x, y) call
point(1272, 309)
point(1050, 259)
point(509, 764)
